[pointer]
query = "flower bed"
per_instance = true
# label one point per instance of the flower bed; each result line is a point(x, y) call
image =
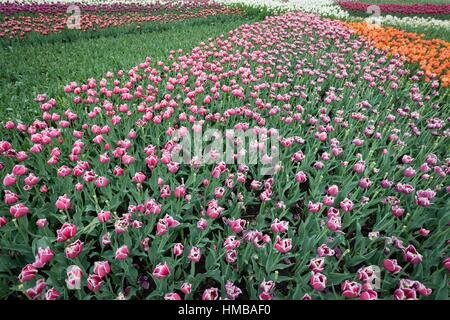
point(20, 26)
point(330, 9)
point(406, 9)
point(95, 204)
point(433, 56)
point(147, 7)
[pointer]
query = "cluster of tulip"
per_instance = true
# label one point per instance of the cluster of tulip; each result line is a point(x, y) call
point(104, 7)
point(96, 204)
point(22, 25)
point(433, 56)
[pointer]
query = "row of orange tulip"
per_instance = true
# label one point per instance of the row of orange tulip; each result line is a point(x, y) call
point(433, 56)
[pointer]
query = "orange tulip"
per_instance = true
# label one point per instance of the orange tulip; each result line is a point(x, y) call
point(433, 56)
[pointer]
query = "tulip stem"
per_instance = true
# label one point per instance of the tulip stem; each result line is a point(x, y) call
point(192, 268)
point(21, 230)
point(109, 285)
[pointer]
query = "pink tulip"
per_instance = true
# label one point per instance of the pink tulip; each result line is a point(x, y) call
point(18, 210)
point(103, 216)
point(10, 197)
point(63, 203)
point(237, 226)
point(283, 245)
point(41, 223)
point(195, 254)
point(73, 250)
point(172, 296)
point(19, 170)
point(186, 288)
point(279, 226)
point(317, 265)
point(28, 273)
point(346, 205)
point(94, 282)
point(122, 253)
point(44, 256)
point(178, 249)
point(318, 281)
point(301, 177)
point(161, 271)
point(333, 190)
point(74, 275)
point(351, 289)
point(66, 232)
point(3, 222)
point(102, 269)
point(410, 254)
point(210, 294)
point(9, 180)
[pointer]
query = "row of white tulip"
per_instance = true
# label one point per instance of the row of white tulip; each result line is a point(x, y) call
point(415, 22)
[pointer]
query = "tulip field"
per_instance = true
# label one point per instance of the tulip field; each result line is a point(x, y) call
point(224, 150)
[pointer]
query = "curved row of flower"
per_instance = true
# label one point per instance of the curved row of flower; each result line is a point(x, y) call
point(416, 9)
point(95, 204)
point(58, 7)
point(20, 26)
point(324, 8)
point(89, 2)
point(433, 56)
